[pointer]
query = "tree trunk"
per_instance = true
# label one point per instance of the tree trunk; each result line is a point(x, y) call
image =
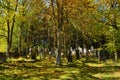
point(58, 21)
point(19, 43)
point(59, 49)
point(20, 40)
point(7, 50)
point(8, 39)
point(58, 32)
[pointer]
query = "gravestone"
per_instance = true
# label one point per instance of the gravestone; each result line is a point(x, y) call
point(102, 55)
point(77, 54)
point(69, 56)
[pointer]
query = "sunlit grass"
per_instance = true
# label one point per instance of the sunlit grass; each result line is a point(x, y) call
point(15, 59)
point(107, 75)
point(95, 65)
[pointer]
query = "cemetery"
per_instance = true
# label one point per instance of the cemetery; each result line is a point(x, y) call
point(59, 39)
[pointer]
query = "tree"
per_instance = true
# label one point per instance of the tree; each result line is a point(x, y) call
point(9, 15)
point(109, 15)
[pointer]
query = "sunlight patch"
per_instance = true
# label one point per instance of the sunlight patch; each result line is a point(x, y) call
point(95, 65)
point(71, 70)
point(107, 75)
point(67, 76)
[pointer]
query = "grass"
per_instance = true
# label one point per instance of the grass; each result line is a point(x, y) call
point(46, 70)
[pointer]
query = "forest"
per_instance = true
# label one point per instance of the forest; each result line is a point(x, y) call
point(59, 39)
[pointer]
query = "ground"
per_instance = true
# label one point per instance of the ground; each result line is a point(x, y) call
point(46, 70)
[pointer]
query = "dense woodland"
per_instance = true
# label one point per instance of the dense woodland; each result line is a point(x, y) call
point(26, 25)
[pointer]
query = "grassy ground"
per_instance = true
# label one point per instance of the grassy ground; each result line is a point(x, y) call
point(46, 70)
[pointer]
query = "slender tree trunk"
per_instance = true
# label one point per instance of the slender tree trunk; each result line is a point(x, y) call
point(8, 41)
point(59, 28)
point(20, 40)
point(8, 51)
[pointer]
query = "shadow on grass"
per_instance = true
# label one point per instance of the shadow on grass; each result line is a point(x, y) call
point(3, 68)
point(45, 70)
point(104, 70)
